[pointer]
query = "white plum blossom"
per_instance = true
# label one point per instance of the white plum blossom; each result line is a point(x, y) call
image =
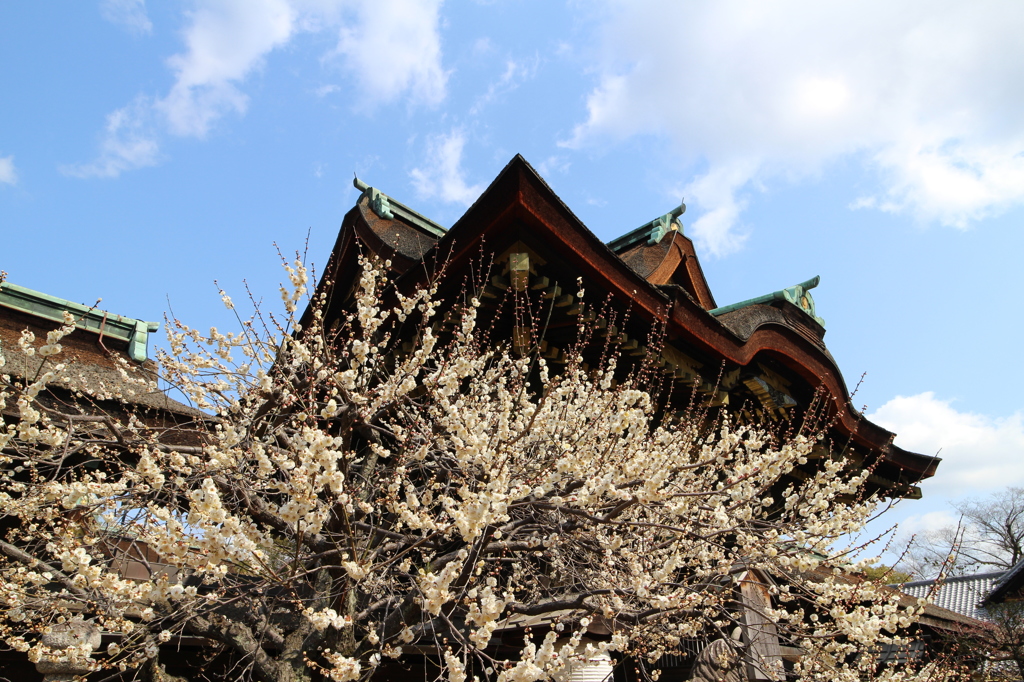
point(386, 481)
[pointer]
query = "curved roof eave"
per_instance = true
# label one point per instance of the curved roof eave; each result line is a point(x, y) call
point(518, 195)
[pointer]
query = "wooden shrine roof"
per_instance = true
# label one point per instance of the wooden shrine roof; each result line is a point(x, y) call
point(766, 354)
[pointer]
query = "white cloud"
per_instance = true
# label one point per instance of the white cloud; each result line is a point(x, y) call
point(128, 143)
point(442, 176)
point(979, 453)
point(394, 47)
point(955, 184)
point(226, 41)
point(8, 175)
point(718, 193)
point(919, 91)
point(131, 14)
point(922, 524)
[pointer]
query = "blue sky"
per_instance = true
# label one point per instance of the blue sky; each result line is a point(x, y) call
point(147, 149)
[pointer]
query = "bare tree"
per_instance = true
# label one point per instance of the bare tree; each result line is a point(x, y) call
point(1006, 639)
point(989, 537)
point(994, 647)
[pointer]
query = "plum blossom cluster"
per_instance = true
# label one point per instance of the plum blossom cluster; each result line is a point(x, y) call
point(388, 480)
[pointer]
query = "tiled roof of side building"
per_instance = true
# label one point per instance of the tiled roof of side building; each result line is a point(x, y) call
point(962, 594)
point(106, 357)
point(1010, 582)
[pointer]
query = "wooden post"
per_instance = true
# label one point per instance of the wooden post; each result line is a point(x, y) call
point(763, 654)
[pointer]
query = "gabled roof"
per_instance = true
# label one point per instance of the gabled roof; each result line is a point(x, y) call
point(652, 271)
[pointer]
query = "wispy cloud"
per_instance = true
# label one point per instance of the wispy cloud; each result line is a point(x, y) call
point(392, 48)
point(483, 46)
point(129, 14)
point(128, 143)
point(325, 90)
point(515, 73)
point(979, 453)
point(554, 163)
point(914, 91)
point(441, 176)
point(8, 175)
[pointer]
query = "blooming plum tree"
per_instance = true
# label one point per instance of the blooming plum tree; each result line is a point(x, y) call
point(388, 486)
